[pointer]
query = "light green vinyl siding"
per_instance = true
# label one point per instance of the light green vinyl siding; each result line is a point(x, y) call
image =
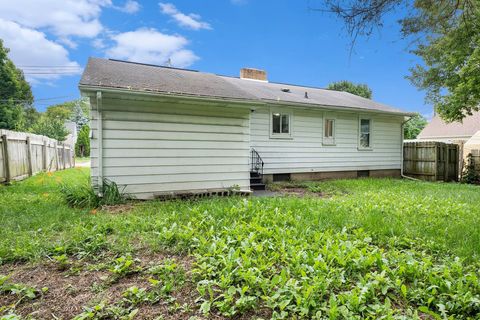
point(154, 148)
point(305, 152)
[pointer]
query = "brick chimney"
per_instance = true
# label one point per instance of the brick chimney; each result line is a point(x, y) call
point(253, 74)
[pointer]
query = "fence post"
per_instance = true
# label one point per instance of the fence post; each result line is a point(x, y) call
point(44, 156)
point(457, 164)
point(447, 162)
point(29, 157)
point(459, 158)
point(57, 167)
point(6, 159)
point(63, 155)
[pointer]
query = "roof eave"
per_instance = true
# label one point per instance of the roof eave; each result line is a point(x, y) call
point(345, 108)
point(93, 88)
point(90, 88)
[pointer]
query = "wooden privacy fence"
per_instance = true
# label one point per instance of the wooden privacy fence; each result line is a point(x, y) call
point(431, 161)
point(24, 154)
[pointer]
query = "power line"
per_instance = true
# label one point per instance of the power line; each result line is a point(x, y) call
point(54, 98)
point(71, 72)
point(37, 100)
point(65, 66)
point(50, 70)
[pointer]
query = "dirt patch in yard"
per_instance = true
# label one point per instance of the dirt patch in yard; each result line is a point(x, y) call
point(300, 192)
point(85, 284)
point(81, 284)
point(66, 293)
point(119, 208)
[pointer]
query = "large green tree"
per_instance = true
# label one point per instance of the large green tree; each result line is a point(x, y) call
point(444, 33)
point(50, 127)
point(52, 122)
point(80, 113)
point(75, 111)
point(359, 89)
point(16, 98)
point(414, 126)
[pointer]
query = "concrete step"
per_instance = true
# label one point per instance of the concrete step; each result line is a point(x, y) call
point(257, 186)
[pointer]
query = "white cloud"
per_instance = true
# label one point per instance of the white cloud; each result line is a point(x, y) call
point(152, 46)
point(129, 7)
point(99, 43)
point(191, 21)
point(68, 42)
point(64, 18)
point(30, 48)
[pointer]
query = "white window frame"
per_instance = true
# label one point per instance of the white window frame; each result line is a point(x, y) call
point(370, 147)
point(290, 124)
point(329, 141)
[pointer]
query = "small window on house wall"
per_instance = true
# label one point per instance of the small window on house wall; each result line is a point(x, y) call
point(281, 124)
point(365, 136)
point(329, 132)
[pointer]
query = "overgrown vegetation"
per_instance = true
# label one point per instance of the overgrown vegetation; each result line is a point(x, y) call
point(82, 146)
point(84, 196)
point(413, 127)
point(51, 123)
point(470, 174)
point(368, 249)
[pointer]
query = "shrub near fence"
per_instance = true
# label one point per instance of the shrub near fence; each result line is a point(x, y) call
point(24, 154)
point(431, 161)
point(476, 159)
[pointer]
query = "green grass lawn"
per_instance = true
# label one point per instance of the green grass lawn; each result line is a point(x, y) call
point(80, 160)
point(391, 249)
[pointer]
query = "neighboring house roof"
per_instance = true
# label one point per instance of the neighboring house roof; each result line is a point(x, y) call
point(474, 140)
point(437, 128)
point(115, 74)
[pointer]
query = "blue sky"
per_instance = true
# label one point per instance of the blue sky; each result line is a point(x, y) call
point(293, 43)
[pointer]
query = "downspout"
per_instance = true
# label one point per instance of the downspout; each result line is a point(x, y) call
point(100, 142)
point(401, 153)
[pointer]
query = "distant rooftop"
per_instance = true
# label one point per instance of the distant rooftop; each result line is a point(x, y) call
point(124, 75)
point(437, 128)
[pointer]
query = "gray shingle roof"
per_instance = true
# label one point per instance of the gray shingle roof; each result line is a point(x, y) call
point(437, 128)
point(104, 73)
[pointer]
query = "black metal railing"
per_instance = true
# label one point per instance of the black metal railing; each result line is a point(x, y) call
point(256, 162)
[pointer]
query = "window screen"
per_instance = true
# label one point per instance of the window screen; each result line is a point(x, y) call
point(329, 126)
point(365, 133)
point(280, 123)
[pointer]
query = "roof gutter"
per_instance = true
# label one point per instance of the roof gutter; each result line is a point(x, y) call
point(94, 89)
point(346, 108)
point(249, 102)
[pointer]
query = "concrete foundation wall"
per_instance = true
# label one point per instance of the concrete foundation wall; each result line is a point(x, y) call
point(314, 176)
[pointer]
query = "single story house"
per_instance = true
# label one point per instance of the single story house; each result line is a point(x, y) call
point(465, 133)
point(161, 130)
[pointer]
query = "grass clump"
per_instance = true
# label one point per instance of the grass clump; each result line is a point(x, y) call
point(84, 196)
